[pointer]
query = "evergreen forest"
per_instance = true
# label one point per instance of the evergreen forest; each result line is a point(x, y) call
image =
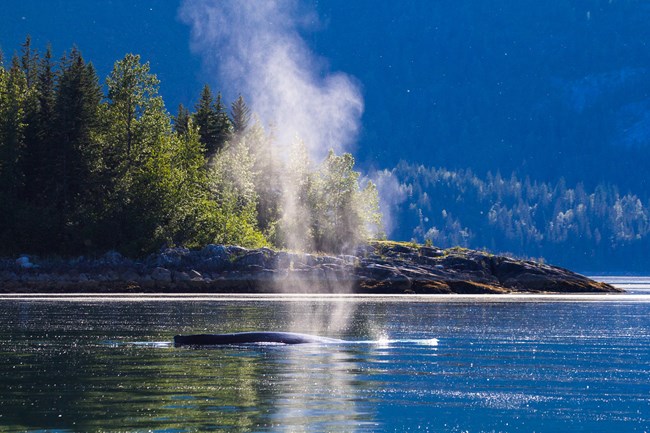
point(88, 166)
point(600, 229)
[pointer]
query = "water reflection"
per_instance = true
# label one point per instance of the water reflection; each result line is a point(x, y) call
point(79, 375)
point(502, 366)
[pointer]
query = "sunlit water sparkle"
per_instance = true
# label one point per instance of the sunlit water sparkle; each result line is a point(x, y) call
point(439, 364)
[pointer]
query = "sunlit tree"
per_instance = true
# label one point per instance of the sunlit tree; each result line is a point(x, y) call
point(182, 120)
point(240, 115)
point(145, 201)
point(343, 214)
point(232, 183)
point(212, 120)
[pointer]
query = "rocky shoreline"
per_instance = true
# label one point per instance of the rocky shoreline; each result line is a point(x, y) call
point(377, 268)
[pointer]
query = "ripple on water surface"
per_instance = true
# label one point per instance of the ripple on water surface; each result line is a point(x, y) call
point(471, 364)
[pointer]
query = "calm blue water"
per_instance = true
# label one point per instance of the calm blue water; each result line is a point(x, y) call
point(442, 364)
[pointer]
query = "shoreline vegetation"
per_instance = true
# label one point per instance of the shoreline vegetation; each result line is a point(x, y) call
point(380, 267)
point(86, 168)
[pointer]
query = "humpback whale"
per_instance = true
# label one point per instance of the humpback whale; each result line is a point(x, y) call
point(250, 338)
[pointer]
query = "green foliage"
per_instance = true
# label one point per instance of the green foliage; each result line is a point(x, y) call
point(326, 209)
point(367, 203)
point(602, 228)
point(136, 112)
point(29, 62)
point(159, 191)
point(13, 96)
point(39, 134)
point(344, 215)
point(83, 172)
point(268, 170)
point(232, 184)
point(294, 230)
point(332, 197)
point(240, 114)
point(76, 120)
point(212, 120)
point(182, 120)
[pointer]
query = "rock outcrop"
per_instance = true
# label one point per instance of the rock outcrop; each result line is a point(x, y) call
point(380, 268)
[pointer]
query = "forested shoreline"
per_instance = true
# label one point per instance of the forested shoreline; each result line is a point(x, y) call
point(86, 168)
point(83, 171)
point(600, 229)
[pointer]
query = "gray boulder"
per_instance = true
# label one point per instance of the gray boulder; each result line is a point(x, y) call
point(161, 274)
point(172, 257)
point(213, 250)
point(255, 258)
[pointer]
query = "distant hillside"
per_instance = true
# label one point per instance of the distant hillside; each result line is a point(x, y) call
point(548, 89)
point(600, 229)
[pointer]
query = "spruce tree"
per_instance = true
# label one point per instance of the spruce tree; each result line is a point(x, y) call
point(29, 62)
point(223, 123)
point(30, 65)
point(40, 132)
point(12, 128)
point(240, 114)
point(73, 151)
point(213, 122)
point(13, 94)
point(205, 119)
point(182, 120)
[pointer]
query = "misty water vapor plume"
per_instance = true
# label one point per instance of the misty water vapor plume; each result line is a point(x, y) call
point(256, 49)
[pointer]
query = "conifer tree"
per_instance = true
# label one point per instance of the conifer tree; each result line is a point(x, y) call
point(182, 120)
point(74, 149)
point(13, 94)
point(212, 120)
point(158, 192)
point(40, 132)
point(240, 114)
point(205, 119)
point(12, 128)
point(268, 169)
point(29, 62)
point(224, 125)
point(30, 65)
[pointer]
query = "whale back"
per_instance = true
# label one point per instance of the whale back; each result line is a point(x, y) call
point(250, 338)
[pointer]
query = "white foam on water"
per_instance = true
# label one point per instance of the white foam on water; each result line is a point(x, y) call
point(385, 342)
point(152, 344)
